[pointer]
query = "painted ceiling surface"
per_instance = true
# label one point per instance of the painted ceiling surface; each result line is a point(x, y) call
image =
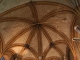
point(36, 30)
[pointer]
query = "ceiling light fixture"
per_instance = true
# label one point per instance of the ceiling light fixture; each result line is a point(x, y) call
point(76, 28)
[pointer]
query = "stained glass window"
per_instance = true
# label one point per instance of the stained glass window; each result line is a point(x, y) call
point(2, 58)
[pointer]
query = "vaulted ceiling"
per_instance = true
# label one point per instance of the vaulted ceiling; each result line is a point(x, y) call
point(37, 30)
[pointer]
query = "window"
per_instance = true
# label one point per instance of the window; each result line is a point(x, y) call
point(2, 58)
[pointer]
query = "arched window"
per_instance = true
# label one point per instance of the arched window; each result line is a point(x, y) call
point(2, 58)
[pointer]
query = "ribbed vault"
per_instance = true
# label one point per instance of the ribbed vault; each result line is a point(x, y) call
point(37, 30)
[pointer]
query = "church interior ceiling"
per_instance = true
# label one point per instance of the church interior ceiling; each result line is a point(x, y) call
point(37, 31)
